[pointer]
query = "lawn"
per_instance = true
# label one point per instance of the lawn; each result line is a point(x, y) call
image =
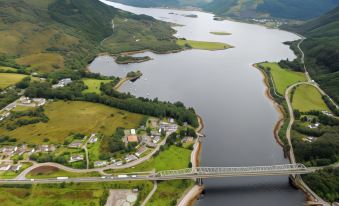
point(8, 79)
point(53, 172)
point(306, 98)
point(75, 194)
point(74, 117)
point(172, 158)
point(220, 33)
point(204, 45)
point(168, 192)
point(94, 85)
point(283, 78)
point(2, 69)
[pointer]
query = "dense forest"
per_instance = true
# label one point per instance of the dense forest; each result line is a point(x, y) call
point(321, 50)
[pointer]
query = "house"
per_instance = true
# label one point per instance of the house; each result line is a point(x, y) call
point(62, 83)
point(314, 126)
point(25, 100)
point(4, 167)
point(130, 158)
point(156, 139)
point(4, 115)
point(22, 149)
point(132, 138)
point(75, 144)
point(187, 139)
point(15, 168)
point(168, 127)
point(76, 158)
point(155, 133)
point(170, 120)
point(133, 132)
point(47, 148)
point(39, 101)
point(92, 139)
point(9, 150)
point(141, 151)
point(100, 163)
point(151, 144)
point(10, 107)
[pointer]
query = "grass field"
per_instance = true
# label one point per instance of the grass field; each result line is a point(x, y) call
point(43, 61)
point(172, 158)
point(72, 194)
point(2, 69)
point(306, 98)
point(283, 78)
point(93, 85)
point(220, 33)
point(53, 172)
point(74, 117)
point(203, 45)
point(168, 192)
point(8, 79)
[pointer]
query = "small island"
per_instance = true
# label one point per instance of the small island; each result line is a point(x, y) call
point(204, 45)
point(132, 75)
point(220, 33)
point(130, 59)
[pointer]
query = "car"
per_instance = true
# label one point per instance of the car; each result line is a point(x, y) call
point(133, 176)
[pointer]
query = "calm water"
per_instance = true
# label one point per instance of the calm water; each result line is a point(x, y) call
point(228, 93)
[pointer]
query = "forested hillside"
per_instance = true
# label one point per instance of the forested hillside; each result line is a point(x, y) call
point(54, 34)
point(322, 50)
point(289, 9)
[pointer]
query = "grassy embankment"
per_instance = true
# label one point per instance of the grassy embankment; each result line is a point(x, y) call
point(53, 172)
point(9, 79)
point(223, 33)
point(307, 98)
point(212, 46)
point(77, 117)
point(75, 194)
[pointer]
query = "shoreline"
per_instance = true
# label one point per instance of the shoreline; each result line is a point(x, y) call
point(193, 193)
point(278, 107)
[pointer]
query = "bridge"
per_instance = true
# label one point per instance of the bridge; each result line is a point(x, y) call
point(198, 173)
point(215, 172)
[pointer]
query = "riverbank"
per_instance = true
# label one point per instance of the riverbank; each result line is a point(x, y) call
point(192, 194)
point(278, 107)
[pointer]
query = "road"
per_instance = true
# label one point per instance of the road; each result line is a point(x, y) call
point(23, 174)
point(298, 179)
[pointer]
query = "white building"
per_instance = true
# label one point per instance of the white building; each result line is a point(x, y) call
point(92, 139)
point(100, 163)
point(133, 132)
point(130, 158)
point(76, 158)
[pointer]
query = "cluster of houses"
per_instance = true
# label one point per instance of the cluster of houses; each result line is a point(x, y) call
point(7, 152)
point(26, 101)
point(22, 101)
point(62, 83)
point(9, 167)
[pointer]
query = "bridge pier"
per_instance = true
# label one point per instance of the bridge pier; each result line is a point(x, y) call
point(199, 181)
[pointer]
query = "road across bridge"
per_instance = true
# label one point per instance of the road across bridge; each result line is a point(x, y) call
point(188, 173)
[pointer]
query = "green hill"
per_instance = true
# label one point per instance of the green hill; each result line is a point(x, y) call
point(57, 34)
point(289, 9)
point(322, 50)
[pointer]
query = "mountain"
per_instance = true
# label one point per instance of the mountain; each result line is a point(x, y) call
point(322, 50)
point(288, 9)
point(54, 34)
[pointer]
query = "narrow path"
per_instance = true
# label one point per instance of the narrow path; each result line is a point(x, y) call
point(86, 153)
point(155, 186)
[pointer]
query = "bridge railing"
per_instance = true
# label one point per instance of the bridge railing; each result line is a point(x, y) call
point(232, 170)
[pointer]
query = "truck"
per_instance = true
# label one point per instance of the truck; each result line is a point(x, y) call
point(62, 178)
point(122, 176)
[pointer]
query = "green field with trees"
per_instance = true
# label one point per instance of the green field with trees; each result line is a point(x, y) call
point(307, 98)
point(282, 77)
point(75, 194)
point(9, 79)
point(93, 118)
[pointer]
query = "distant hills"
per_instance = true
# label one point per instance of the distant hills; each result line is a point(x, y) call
point(54, 34)
point(322, 50)
point(289, 9)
